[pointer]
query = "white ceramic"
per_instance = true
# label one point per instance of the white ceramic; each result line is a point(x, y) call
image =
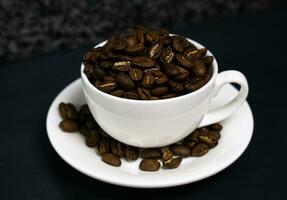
point(235, 137)
point(162, 122)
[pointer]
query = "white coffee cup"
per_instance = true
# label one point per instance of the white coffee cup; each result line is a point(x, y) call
point(154, 123)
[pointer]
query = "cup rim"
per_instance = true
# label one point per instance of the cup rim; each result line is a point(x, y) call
point(210, 81)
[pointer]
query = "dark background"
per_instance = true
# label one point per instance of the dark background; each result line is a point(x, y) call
point(41, 45)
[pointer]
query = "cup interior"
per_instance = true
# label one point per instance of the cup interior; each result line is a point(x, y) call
point(214, 68)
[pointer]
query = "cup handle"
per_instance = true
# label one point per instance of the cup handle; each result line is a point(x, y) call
point(230, 76)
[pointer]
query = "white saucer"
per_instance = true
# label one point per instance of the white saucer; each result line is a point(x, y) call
point(236, 135)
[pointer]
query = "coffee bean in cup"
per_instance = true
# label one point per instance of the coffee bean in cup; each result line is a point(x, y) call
point(196, 144)
point(146, 64)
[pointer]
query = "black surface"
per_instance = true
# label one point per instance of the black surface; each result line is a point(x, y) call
point(253, 44)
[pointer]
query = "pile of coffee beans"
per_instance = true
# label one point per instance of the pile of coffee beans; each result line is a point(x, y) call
point(147, 64)
point(198, 143)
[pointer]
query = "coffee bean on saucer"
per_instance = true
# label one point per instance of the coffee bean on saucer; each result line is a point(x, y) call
point(92, 139)
point(199, 150)
point(180, 150)
point(131, 153)
point(69, 126)
point(149, 164)
point(111, 159)
point(151, 153)
point(68, 111)
point(216, 127)
point(173, 163)
point(104, 146)
point(117, 148)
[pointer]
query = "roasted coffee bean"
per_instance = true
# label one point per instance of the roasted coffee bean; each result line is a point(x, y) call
point(168, 95)
point(166, 41)
point(203, 130)
point(122, 66)
point(90, 122)
point(68, 125)
point(104, 134)
point(151, 153)
point(173, 163)
point(158, 91)
point(68, 111)
point(83, 113)
point(108, 78)
point(118, 93)
point(180, 150)
point(131, 95)
point(155, 50)
point(130, 40)
point(210, 141)
point(144, 94)
point(111, 159)
point(124, 82)
point(167, 56)
point(149, 164)
point(214, 134)
point(166, 155)
point(140, 36)
point(107, 86)
point(199, 150)
point(135, 74)
point(142, 61)
point(194, 86)
point(175, 86)
point(117, 148)
point(98, 74)
point(88, 69)
point(179, 43)
point(159, 77)
point(135, 49)
point(152, 37)
point(118, 45)
point(216, 127)
point(104, 146)
point(92, 57)
point(148, 80)
point(84, 131)
point(131, 153)
point(183, 74)
point(194, 136)
point(106, 65)
point(196, 54)
point(92, 139)
point(199, 68)
point(207, 60)
point(171, 70)
point(184, 61)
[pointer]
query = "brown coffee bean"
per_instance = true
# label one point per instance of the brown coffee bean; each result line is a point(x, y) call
point(166, 41)
point(98, 74)
point(144, 94)
point(171, 70)
point(104, 146)
point(184, 61)
point(107, 86)
point(119, 45)
point(155, 50)
point(196, 54)
point(207, 60)
point(199, 68)
point(88, 69)
point(175, 86)
point(151, 153)
point(179, 43)
point(83, 113)
point(167, 56)
point(148, 80)
point(131, 153)
point(108, 78)
point(136, 49)
point(118, 93)
point(166, 155)
point(168, 95)
point(149, 164)
point(140, 36)
point(106, 65)
point(183, 74)
point(84, 131)
point(172, 164)
point(180, 150)
point(67, 111)
point(117, 148)
point(122, 66)
point(210, 141)
point(69, 125)
point(130, 40)
point(193, 136)
point(214, 134)
point(199, 150)
point(216, 127)
point(158, 91)
point(159, 77)
point(135, 74)
point(111, 159)
point(194, 86)
point(142, 61)
point(124, 82)
point(92, 139)
point(131, 95)
point(152, 37)
point(90, 122)
point(92, 57)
